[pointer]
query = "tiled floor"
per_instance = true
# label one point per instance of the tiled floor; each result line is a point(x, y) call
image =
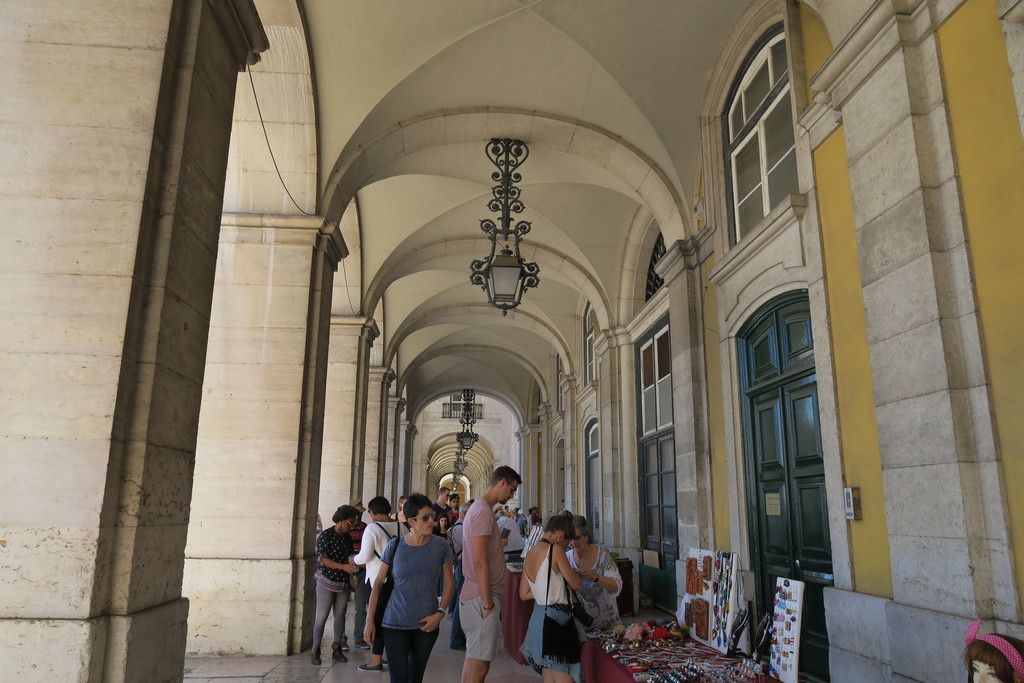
point(445, 665)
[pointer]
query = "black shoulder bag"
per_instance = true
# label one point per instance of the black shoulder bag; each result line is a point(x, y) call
point(387, 586)
point(560, 640)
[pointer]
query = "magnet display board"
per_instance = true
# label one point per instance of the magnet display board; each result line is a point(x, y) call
point(784, 656)
point(698, 599)
point(727, 599)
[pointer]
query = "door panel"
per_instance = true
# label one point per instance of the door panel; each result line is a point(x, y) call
point(788, 502)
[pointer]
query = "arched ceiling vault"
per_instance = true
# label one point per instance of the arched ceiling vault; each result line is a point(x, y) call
point(608, 95)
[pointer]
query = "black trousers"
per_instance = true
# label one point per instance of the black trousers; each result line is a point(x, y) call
point(408, 652)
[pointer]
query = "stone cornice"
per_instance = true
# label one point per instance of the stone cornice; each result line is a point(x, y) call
point(388, 377)
point(782, 215)
point(240, 23)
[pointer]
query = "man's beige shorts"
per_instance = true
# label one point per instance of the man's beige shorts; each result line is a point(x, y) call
point(481, 634)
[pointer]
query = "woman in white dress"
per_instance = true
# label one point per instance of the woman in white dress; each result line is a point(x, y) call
point(601, 581)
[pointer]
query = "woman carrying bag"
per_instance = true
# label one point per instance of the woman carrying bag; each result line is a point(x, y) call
point(413, 563)
point(553, 638)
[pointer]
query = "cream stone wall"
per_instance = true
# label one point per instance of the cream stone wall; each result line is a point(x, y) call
point(108, 257)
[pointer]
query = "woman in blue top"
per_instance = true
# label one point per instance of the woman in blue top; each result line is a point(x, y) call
point(416, 562)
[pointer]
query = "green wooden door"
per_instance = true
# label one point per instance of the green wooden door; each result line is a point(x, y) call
point(785, 470)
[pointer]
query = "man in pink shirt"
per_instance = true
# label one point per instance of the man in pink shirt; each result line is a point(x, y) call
point(483, 565)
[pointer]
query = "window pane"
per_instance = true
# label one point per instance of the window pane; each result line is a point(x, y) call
point(778, 132)
point(748, 168)
point(750, 213)
point(669, 522)
point(668, 455)
point(757, 90)
point(736, 119)
point(652, 490)
point(664, 402)
point(664, 357)
point(782, 179)
point(651, 456)
point(779, 60)
point(653, 521)
point(647, 366)
point(668, 489)
point(650, 416)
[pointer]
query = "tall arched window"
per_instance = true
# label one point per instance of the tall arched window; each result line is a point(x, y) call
point(592, 473)
point(589, 334)
point(758, 126)
point(654, 281)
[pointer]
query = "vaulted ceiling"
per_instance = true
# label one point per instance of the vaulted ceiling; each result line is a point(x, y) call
point(379, 112)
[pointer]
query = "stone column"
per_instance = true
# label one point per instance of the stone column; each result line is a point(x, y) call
point(395, 461)
point(944, 500)
point(406, 485)
point(679, 267)
point(367, 334)
point(339, 413)
point(546, 465)
point(573, 453)
point(619, 525)
point(383, 464)
point(260, 437)
point(371, 448)
point(115, 139)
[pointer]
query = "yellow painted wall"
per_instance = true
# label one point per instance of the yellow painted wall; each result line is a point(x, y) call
point(990, 163)
point(817, 46)
point(858, 430)
point(716, 419)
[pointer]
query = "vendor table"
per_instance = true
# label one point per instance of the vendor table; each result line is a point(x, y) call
point(599, 665)
point(515, 617)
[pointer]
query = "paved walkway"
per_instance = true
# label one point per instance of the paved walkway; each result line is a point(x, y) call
point(445, 665)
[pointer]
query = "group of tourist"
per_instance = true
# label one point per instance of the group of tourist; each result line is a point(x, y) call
point(439, 557)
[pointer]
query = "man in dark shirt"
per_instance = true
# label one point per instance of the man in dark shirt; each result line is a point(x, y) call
point(362, 588)
point(440, 508)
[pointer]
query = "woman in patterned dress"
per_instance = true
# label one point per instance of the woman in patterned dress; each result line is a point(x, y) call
point(601, 582)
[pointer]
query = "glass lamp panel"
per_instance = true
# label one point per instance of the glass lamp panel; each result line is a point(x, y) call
point(504, 281)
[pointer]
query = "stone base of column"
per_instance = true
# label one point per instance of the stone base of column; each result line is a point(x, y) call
point(249, 607)
point(148, 645)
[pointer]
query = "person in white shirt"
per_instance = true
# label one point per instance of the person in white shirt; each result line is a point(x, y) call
point(516, 542)
point(376, 536)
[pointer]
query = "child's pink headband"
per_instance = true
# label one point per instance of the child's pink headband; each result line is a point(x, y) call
point(1001, 644)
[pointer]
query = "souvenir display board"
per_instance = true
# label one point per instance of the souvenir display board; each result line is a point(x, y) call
point(699, 594)
point(727, 599)
point(784, 655)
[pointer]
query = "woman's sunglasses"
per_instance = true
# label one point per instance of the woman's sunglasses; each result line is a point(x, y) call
point(424, 518)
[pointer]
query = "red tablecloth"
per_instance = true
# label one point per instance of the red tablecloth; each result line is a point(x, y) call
point(600, 666)
point(515, 617)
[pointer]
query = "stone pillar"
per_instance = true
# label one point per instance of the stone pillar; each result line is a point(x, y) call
point(371, 448)
point(395, 460)
point(260, 437)
point(573, 447)
point(944, 499)
point(407, 484)
point(619, 523)
point(339, 413)
point(679, 267)
point(367, 334)
point(546, 465)
point(383, 462)
point(115, 141)
point(397, 452)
